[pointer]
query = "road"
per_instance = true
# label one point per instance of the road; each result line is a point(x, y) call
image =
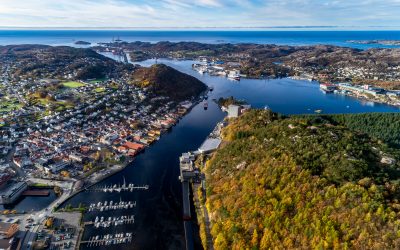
point(40, 216)
point(17, 169)
point(62, 184)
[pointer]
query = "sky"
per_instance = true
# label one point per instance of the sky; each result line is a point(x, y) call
point(199, 13)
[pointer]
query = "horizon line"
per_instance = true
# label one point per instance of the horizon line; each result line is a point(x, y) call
point(195, 27)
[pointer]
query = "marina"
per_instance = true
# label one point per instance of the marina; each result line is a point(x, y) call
point(118, 188)
point(101, 222)
point(109, 239)
point(110, 205)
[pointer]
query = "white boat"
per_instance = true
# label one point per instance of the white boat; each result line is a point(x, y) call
point(202, 70)
point(234, 74)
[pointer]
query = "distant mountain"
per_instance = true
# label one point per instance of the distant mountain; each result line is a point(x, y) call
point(166, 81)
point(302, 183)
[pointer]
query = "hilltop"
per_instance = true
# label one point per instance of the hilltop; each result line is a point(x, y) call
point(26, 62)
point(166, 81)
point(302, 183)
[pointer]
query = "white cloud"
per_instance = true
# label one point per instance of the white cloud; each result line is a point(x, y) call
point(72, 13)
point(189, 13)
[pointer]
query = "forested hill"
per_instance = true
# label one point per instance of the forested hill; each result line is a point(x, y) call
point(299, 183)
point(384, 126)
point(166, 81)
point(60, 62)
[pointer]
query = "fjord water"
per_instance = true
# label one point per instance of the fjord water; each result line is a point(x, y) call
point(284, 95)
point(280, 37)
point(158, 215)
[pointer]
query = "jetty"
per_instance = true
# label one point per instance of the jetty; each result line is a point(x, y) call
point(110, 205)
point(108, 239)
point(101, 222)
point(118, 188)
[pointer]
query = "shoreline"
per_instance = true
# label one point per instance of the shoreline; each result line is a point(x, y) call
point(392, 103)
point(124, 165)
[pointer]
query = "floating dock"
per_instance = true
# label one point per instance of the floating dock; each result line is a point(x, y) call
point(109, 239)
point(118, 188)
point(110, 205)
point(101, 222)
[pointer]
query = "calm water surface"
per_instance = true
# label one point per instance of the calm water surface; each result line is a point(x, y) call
point(31, 203)
point(296, 37)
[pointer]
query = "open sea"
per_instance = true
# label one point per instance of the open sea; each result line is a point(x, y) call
point(69, 37)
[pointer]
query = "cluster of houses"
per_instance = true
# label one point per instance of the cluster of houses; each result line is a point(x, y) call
point(366, 91)
point(111, 120)
point(336, 73)
point(120, 123)
point(218, 68)
point(390, 74)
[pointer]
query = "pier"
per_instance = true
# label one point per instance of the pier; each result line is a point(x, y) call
point(109, 239)
point(101, 222)
point(109, 206)
point(119, 188)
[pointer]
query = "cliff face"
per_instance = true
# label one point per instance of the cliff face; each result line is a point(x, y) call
point(166, 81)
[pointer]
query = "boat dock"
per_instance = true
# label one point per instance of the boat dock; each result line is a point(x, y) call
point(119, 188)
point(110, 205)
point(109, 239)
point(101, 222)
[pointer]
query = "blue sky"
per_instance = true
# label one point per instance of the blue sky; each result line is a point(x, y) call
point(198, 13)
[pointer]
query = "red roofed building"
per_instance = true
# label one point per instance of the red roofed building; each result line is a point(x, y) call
point(85, 149)
point(134, 145)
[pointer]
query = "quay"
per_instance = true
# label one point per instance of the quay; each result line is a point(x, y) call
point(190, 173)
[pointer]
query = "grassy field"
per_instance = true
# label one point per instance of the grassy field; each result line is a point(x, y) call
point(99, 90)
point(73, 84)
point(97, 80)
point(9, 105)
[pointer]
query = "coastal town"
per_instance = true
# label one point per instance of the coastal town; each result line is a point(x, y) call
point(65, 134)
point(367, 92)
point(66, 126)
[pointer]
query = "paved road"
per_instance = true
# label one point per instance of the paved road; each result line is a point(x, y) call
point(17, 169)
point(63, 184)
point(41, 215)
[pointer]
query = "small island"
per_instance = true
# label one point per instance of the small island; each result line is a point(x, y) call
point(82, 43)
point(378, 42)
